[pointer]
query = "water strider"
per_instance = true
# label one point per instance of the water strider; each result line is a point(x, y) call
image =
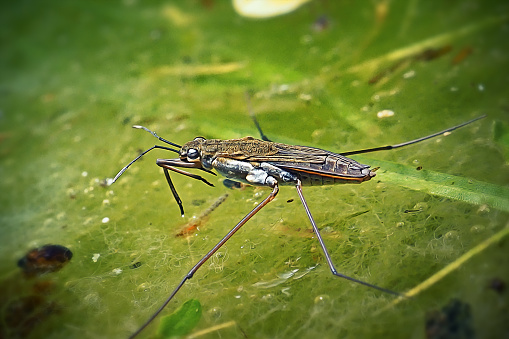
point(266, 163)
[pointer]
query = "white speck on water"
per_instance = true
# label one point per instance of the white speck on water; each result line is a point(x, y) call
point(409, 74)
point(386, 113)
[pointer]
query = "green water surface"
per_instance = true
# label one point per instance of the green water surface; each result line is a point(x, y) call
point(76, 75)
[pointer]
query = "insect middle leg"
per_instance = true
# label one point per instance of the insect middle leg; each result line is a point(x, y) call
point(298, 186)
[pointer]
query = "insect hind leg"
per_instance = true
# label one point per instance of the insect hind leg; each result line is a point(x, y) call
point(298, 186)
point(196, 267)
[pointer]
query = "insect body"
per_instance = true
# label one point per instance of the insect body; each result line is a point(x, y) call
point(255, 161)
point(266, 163)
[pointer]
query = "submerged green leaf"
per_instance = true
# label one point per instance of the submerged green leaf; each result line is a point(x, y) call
point(445, 185)
point(182, 321)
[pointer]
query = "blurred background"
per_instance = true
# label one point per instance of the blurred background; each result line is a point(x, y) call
point(339, 75)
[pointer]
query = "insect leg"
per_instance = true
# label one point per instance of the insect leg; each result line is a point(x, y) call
point(172, 187)
point(298, 186)
point(253, 117)
point(191, 175)
point(189, 275)
point(403, 144)
point(174, 191)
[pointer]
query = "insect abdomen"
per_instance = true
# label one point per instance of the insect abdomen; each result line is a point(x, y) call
point(332, 172)
point(311, 179)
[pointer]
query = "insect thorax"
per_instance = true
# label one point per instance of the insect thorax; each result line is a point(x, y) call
point(244, 147)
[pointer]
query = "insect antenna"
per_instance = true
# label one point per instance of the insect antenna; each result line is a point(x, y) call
point(157, 136)
point(145, 152)
point(389, 147)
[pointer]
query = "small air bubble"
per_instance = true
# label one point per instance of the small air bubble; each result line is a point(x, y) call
point(92, 299)
point(105, 220)
point(322, 299)
point(483, 209)
point(327, 229)
point(144, 287)
point(84, 173)
point(215, 312)
point(477, 229)
point(452, 235)
point(268, 297)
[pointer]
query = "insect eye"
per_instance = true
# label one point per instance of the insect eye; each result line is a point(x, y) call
point(192, 154)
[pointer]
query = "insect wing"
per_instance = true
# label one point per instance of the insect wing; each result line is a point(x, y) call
point(312, 165)
point(335, 169)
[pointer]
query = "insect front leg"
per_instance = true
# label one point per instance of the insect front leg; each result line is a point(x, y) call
point(298, 186)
